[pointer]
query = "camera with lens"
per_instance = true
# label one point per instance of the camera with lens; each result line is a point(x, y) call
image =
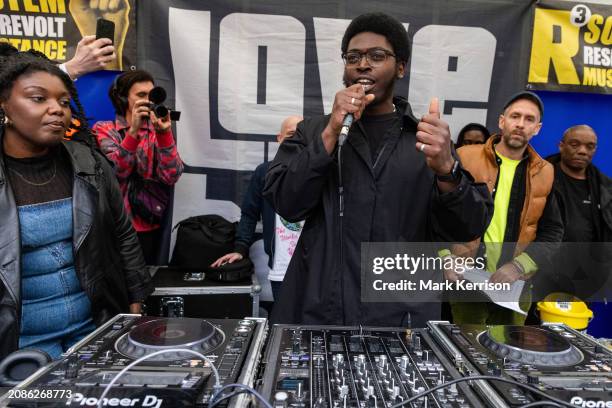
point(157, 96)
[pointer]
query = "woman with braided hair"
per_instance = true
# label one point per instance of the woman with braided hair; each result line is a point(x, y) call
point(69, 257)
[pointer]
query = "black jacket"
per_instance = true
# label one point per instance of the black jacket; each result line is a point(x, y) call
point(107, 256)
point(583, 269)
point(253, 208)
point(600, 188)
point(394, 200)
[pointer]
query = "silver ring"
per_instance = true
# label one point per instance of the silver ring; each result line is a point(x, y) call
point(352, 101)
point(423, 145)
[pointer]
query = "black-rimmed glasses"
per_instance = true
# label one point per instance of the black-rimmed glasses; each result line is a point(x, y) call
point(374, 57)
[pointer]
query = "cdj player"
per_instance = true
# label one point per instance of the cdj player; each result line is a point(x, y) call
point(332, 366)
point(555, 359)
point(172, 378)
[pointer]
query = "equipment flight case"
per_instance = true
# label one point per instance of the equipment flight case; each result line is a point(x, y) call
point(185, 293)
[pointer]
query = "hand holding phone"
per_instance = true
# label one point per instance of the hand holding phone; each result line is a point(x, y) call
point(86, 14)
point(91, 55)
point(105, 29)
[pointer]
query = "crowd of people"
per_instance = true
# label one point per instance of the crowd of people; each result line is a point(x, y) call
point(81, 215)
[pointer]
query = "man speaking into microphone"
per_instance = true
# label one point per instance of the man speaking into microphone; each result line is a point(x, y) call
point(394, 180)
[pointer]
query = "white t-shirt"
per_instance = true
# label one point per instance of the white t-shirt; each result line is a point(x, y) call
point(286, 235)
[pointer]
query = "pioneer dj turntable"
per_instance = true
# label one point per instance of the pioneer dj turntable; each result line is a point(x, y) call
point(168, 379)
point(554, 358)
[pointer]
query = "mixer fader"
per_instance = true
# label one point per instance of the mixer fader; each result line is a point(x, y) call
point(348, 367)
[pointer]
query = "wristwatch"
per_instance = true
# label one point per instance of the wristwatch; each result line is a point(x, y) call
point(454, 175)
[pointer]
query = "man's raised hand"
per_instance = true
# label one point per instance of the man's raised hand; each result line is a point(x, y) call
point(433, 140)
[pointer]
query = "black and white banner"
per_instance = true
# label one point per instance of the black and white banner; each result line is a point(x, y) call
point(236, 69)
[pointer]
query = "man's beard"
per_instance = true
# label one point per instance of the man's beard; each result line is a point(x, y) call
point(515, 143)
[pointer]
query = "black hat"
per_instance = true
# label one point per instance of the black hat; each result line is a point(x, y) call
point(530, 96)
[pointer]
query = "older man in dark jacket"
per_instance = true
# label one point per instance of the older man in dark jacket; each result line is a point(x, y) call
point(398, 182)
point(584, 265)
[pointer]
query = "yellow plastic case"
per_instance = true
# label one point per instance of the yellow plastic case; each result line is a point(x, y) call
point(564, 308)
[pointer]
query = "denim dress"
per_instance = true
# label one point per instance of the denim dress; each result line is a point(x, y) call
point(56, 312)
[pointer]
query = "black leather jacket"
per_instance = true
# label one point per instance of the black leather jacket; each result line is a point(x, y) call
point(107, 256)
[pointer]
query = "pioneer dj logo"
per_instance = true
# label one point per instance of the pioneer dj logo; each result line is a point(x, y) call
point(581, 402)
point(148, 401)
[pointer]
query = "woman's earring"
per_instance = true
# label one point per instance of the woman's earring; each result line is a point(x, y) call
point(4, 119)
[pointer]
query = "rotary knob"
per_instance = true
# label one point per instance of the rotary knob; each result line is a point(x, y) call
point(320, 403)
point(416, 341)
point(391, 386)
point(344, 390)
point(72, 369)
point(338, 360)
point(281, 396)
point(382, 360)
point(280, 399)
point(395, 393)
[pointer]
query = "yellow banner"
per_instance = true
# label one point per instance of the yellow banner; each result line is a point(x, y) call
point(54, 27)
point(571, 47)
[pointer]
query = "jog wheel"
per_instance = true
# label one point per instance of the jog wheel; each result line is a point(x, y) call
point(530, 345)
point(170, 333)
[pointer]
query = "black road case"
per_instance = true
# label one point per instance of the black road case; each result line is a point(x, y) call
point(180, 293)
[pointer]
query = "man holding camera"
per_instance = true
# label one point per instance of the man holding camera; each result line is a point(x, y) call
point(143, 149)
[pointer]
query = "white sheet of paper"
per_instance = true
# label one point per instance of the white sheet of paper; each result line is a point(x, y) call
point(516, 288)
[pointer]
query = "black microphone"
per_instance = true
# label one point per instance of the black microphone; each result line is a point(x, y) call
point(346, 125)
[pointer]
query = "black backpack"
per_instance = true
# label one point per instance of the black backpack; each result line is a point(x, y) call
point(203, 239)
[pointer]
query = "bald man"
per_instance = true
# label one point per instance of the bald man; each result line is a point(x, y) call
point(288, 127)
point(584, 194)
point(579, 184)
point(254, 208)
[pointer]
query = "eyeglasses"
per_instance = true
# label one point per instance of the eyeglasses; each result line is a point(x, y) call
point(375, 57)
